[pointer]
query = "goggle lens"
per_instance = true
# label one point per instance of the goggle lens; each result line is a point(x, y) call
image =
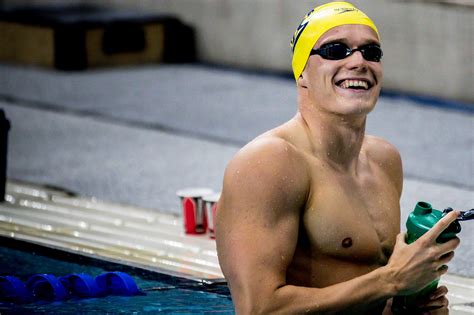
point(338, 51)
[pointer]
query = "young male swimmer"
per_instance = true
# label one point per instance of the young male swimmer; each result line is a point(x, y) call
point(309, 217)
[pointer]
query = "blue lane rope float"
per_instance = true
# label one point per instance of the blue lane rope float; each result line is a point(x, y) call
point(46, 287)
point(117, 283)
point(13, 290)
point(81, 286)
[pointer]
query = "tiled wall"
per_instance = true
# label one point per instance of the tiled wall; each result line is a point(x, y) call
point(428, 47)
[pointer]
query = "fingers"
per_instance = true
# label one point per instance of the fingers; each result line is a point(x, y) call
point(442, 270)
point(436, 300)
point(441, 302)
point(443, 263)
point(443, 253)
point(449, 245)
point(442, 224)
point(439, 292)
point(444, 259)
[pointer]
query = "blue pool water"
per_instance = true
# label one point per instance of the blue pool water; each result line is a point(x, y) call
point(164, 294)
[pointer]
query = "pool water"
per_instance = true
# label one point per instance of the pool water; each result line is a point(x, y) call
point(164, 294)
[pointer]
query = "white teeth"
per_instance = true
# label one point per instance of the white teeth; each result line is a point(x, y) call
point(354, 83)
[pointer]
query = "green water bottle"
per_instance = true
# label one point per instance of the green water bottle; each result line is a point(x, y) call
point(423, 218)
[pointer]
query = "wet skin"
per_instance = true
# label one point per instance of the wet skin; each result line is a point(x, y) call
point(361, 204)
point(309, 213)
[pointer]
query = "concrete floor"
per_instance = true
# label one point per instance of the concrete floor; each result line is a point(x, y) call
point(136, 135)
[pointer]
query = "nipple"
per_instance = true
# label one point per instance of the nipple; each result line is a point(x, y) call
point(347, 242)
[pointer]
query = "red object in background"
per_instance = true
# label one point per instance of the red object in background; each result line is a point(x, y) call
point(194, 211)
point(212, 232)
point(195, 221)
point(210, 202)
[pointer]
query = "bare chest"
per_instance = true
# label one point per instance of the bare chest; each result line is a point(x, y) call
point(356, 221)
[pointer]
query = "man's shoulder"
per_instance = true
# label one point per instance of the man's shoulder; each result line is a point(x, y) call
point(267, 150)
point(386, 156)
point(380, 149)
point(281, 143)
point(268, 158)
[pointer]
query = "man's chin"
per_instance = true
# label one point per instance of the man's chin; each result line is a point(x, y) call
point(355, 110)
point(356, 106)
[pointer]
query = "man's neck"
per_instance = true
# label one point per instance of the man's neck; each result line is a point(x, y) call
point(335, 139)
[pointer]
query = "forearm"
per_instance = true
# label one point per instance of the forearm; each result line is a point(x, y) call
point(357, 295)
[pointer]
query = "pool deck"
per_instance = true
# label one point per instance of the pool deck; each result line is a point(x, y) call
point(112, 232)
point(133, 236)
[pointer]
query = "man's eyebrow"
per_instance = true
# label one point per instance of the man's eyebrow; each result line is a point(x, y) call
point(343, 40)
point(335, 40)
point(371, 42)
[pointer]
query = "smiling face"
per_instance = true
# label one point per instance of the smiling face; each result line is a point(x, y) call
point(349, 86)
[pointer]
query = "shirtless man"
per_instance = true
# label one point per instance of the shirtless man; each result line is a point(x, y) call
point(309, 217)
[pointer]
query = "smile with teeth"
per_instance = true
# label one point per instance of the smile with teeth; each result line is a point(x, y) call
point(354, 84)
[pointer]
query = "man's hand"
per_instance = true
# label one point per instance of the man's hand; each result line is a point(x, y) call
point(414, 266)
point(435, 303)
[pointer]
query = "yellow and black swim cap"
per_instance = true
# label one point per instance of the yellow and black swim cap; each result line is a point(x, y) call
point(317, 22)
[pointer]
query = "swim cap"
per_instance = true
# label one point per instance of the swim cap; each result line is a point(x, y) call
point(319, 21)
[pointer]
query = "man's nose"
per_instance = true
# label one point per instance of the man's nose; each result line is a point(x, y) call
point(356, 61)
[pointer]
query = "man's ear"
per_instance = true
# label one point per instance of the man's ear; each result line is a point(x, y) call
point(302, 81)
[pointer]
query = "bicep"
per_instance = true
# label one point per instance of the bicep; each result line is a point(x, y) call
point(254, 255)
point(257, 226)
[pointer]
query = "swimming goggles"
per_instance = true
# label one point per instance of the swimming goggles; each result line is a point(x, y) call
point(338, 51)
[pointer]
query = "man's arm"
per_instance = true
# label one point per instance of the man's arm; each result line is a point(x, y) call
point(265, 190)
point(389, 158)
